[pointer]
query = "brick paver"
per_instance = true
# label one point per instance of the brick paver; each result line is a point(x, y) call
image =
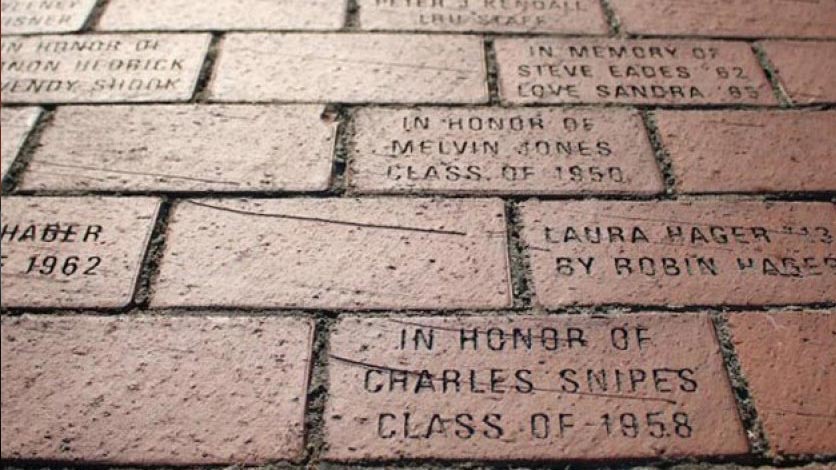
point(102, 67)
point(211, 179)
point(750, 151)
point(48, 16)
point(151, 390)
point(805, 69)
point(575, 16)
point(336, 253)
point(735, 18)
point(510, 388)
point(520, 151)
point(185, 148)
point(680, 253)
point(789, 362)
point(652, 71)
point(73, 252)
point(161, 15)
point(351, 68)
point(15, 124)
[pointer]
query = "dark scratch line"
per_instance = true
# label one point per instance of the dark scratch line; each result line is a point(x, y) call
point(562, 392)
point(735, 124)
point(329, 221)
point(137, 173)
point(376, 62)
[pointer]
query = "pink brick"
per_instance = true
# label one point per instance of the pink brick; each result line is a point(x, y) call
point(805, 69)
point(154, 390)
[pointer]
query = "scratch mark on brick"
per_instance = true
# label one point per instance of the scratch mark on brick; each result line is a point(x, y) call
point(330, 221)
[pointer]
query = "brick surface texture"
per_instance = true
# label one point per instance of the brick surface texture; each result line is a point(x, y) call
point(798, 349)
point(583, 388)
point(418, 234)
point(153, 390)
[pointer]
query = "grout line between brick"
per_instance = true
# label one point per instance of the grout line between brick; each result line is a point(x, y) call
point(27, 150)
point(201, 89)
point(771, 75)
point(341, 159)
point(492, 69)
point(522, 284)
point(318, 392)
point(150, 268)
point(95, 16)
point(352, 16)
point(663, 160)
point(613, 23)
point(758, 443)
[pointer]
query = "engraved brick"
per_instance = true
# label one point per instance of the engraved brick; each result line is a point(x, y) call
point(15, 125)
point(351, 68)
point(94, 68)
point(28, 17)
point(571, 16)
point(680, 253)
point(586, 388)
point(184, 148)
point(73, 252)
point(152, 390)
point(805, 69)
point(512, 151)
point(650, 71)
point(336, 253)
point(734, 18)
point(157, 15)
point(789, 362)
point(750, 151)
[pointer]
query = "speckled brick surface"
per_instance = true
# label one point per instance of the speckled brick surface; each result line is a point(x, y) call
point(418, 234)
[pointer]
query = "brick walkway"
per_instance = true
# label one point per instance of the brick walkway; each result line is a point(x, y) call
point(428, 233)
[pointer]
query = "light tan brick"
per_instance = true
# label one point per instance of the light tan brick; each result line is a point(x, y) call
point(154, 390)
point(351, 68)
point(502, 151)
point(336, 254)
point(507, 388)
point(184, 148)
point(15, 125)
point(73, 252)
point(680, 253)
point(649, 71)
point(95, 68)
point(160, 15)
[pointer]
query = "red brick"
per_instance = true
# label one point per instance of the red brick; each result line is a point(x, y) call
point(728, 253)
point(574, 16)
point(805, 69)
point(584, 70)
point(90, 260)
point(336, 254)
point(45, 69)
point(789, 362)
point(750, 151)
point(517, 151)
point(734, 18)
point(351, 68)
point(15, 125)
point(22, 17)
point(155, 15)
point(153, 390)
point(184, 148)
point(508, 387)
